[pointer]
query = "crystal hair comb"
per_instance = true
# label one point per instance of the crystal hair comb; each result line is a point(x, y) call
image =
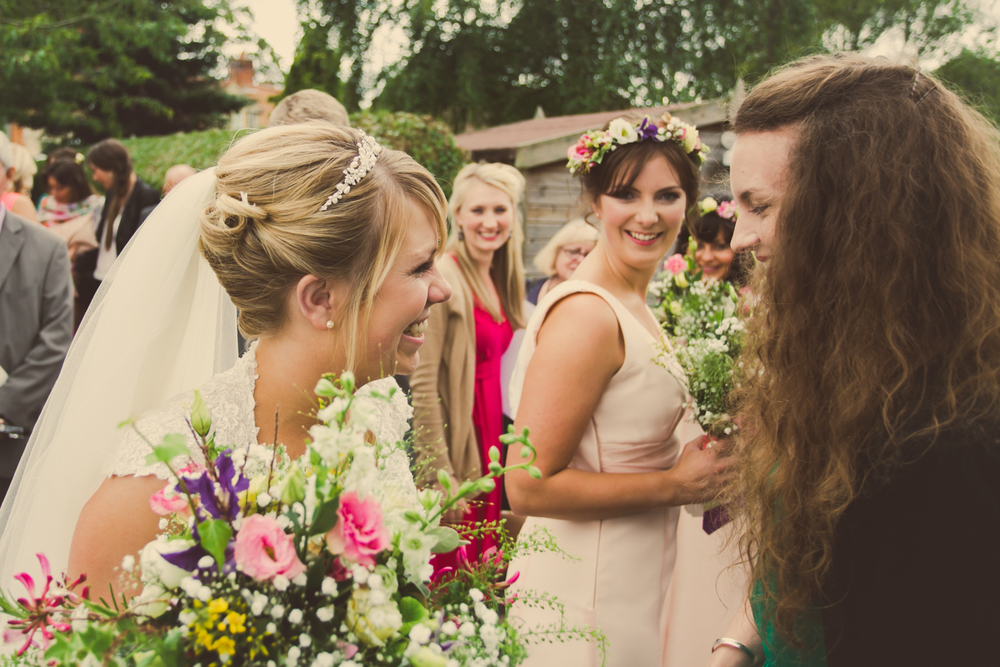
point(368, 152)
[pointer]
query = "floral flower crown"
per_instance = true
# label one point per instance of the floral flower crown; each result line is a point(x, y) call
point(591, 148)
point(725, 209)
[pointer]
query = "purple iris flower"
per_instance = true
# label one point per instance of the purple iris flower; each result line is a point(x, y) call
point(647, 130)
point(220, 500)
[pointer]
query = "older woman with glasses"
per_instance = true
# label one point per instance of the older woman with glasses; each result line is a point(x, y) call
point(560, 257)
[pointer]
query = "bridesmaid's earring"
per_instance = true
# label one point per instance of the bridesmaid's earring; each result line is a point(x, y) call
point(329, 324)
point(461, 234)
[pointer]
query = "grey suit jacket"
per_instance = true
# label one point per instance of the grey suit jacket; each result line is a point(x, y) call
point(36, 323)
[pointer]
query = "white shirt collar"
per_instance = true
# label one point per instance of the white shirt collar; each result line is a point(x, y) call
point(3, 216)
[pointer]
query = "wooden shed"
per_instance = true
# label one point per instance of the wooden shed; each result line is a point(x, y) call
point(538, 148)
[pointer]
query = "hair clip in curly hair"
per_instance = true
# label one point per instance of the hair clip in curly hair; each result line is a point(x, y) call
point(913, 88)
point(364, 162)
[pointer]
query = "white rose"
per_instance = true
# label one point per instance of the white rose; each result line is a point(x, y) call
point(372, 623)
point(622, 131)
point(152, 602)
point(156, 569)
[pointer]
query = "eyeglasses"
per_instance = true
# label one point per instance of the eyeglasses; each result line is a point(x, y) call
point(574, 252)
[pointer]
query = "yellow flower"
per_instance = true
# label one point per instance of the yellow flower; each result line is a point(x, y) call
point(236, 622)
point(224, 646)
point(218, 606)
point(681, 281)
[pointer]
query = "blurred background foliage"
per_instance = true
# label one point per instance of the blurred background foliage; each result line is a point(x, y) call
point(427, 140)
point(83, 70)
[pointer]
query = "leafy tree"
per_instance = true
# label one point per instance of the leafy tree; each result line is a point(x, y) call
point(976, 75)
point(334, 43)
point(97, 68)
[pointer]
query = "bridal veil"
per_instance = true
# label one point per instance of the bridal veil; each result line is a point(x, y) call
point(159, 325)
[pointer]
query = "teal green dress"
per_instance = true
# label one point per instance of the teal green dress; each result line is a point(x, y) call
point(777, 653)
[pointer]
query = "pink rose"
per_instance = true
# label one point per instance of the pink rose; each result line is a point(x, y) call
point(675, 264)
point(167, 501)
point(359, 534)
point(726, 210)
point(264, 551)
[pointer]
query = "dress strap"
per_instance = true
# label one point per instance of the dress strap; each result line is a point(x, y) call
point(636, 336)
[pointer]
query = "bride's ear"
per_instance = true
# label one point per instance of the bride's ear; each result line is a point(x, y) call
point(317, 299)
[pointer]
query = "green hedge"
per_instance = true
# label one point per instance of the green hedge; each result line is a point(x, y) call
point(427, 140)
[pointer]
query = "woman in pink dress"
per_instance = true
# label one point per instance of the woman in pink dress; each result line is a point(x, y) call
point(456, 387)
point(604, 412)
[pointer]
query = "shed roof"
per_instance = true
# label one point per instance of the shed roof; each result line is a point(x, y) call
point(535, 136)
point(540, 129)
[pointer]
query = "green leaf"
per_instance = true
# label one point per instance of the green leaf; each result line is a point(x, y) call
point(173, 445)
point(201, 420)
point(325, 517)
point(412, 610)
point(447, 539)
point(215, 535)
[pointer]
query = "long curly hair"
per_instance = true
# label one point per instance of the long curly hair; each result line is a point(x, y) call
point(878, 320)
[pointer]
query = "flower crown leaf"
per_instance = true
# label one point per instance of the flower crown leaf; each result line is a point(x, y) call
point(591, 148)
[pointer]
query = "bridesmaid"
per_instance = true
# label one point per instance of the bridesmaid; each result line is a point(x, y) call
point(456, 387)
point(604, 414)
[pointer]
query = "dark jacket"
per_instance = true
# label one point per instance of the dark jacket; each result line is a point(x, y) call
point(36, 323)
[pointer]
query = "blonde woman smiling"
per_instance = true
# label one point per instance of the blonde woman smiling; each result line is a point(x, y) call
point(456, 389)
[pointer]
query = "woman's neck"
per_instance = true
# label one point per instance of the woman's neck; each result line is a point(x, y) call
point(287, 373)
point(602, 269)
point(483, 262)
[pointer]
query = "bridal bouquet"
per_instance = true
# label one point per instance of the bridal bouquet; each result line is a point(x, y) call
point(700, 317)
point(263, 561)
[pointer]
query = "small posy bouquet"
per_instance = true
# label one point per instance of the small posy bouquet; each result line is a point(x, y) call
point(263, 561)
point(700, 318)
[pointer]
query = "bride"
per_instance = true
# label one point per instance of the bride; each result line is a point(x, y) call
point(325, 243)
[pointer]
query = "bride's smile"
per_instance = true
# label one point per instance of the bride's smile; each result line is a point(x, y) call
point(402, 306)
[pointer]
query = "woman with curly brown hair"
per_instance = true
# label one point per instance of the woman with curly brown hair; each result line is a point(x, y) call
point(870, 403)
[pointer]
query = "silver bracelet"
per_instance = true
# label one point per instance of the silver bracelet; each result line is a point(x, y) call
point(732, 643)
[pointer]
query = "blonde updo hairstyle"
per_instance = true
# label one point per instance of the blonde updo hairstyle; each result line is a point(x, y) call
point(507, 269)
point(265, 230)
point(574, 231)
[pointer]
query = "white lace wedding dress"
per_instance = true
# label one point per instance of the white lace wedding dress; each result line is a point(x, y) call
point(229, 397)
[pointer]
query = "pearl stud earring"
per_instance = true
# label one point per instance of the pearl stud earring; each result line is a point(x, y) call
point(329, 324)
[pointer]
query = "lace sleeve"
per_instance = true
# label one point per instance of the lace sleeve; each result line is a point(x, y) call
point(137, 442)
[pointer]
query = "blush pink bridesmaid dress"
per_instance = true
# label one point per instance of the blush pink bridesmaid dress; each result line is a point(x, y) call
point(621, 569)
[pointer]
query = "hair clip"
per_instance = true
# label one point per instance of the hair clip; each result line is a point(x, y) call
point(363, 162)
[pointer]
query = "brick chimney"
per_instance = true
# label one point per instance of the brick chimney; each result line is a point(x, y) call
point(241, 71)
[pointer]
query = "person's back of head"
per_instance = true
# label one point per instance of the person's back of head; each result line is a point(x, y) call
point(306, 105)
point(6, 153)
point(24, 170)
point(175, 175)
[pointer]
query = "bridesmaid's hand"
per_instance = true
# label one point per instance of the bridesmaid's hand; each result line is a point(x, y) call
point(700, 472)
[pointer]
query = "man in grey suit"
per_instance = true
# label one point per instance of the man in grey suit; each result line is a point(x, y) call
point(36, 320)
